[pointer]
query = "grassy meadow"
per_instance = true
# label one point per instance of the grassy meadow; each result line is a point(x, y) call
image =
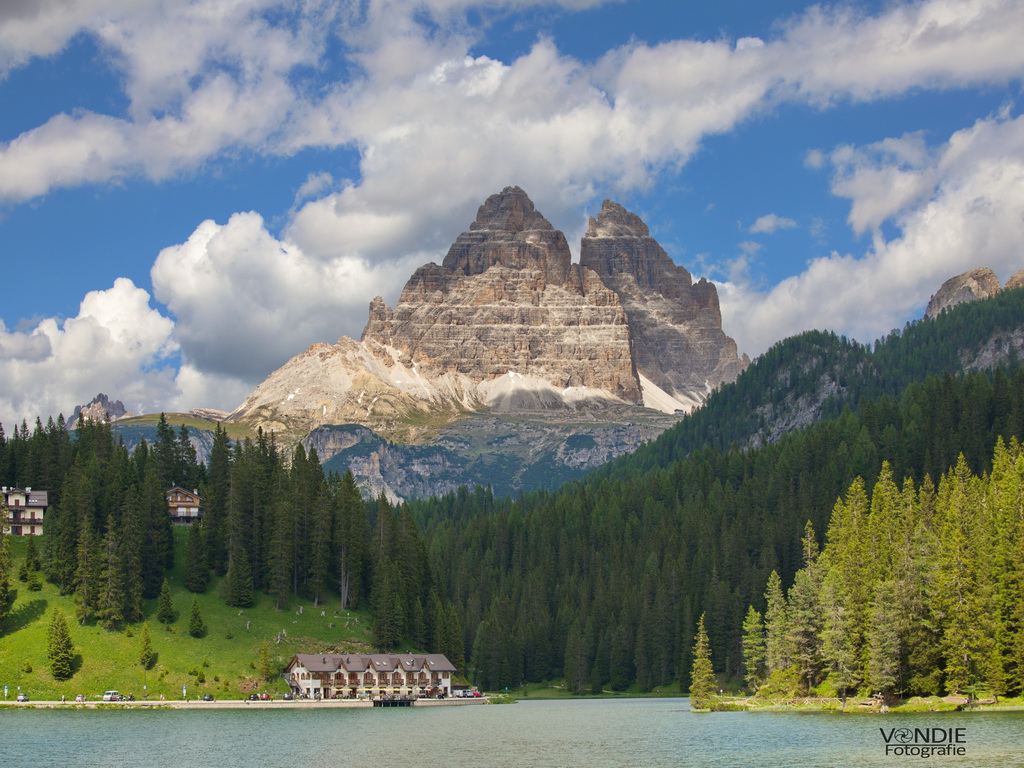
point(225, 662)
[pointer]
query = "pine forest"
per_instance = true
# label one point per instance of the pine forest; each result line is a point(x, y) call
point(878, 548)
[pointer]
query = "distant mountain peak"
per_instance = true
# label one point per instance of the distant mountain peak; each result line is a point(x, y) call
point(100, 408)
point(972, 285)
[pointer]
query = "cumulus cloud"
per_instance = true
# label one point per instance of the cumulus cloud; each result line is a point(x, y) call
point(245, 301)
point(117, 342)
point(770, 223)
point(969, 216)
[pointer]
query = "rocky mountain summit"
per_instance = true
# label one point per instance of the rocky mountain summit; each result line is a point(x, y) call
point(974, 284)
point(507, 323)
point(100, 408)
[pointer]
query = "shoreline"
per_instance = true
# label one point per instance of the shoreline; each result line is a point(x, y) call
point(866, 706)
point(233, 704)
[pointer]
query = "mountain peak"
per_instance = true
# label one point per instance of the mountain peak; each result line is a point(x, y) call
point(100, 408)
point(616, 221)
point(974, 284)
point(510, 210)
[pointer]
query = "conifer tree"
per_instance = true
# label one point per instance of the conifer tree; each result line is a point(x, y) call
point(776, 626)
point(350, 536)
point(197, 572)
point(753, 648)
point(215, 501)
point(164, 604)
point(319, 577)
point(146, 654)
point(196, 627)
point(60, 649)
point(238, 591)
point(32, 562)
point(282, 554)
point(88, 573)
point(113, 597)
point(702, 677)
point(884, 640)
point(130, 554)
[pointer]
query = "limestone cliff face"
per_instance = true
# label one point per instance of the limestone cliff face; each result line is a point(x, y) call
point(678, 342)
point(508, 322)
point(980, 283)
point(507, 301)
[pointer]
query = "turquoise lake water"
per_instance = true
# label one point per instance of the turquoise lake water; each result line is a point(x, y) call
point(556, 734)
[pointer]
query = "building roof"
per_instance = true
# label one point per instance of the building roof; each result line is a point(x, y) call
point(32, 498)
point(378, 662)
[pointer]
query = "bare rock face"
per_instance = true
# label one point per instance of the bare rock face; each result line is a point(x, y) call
point(508, 323)
point(980, 283)
point(1016, 281)
point(678, 343)
point(100, 408)
point(508, 302)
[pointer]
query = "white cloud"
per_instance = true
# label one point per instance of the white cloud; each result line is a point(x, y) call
point(245, 302)
point(770, 223)
point(117, 343)
point(969, 217)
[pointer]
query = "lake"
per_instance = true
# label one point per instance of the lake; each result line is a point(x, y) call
point(557, 734)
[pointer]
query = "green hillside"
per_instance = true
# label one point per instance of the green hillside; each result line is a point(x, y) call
point(228, 655)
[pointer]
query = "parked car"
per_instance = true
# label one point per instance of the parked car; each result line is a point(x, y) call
point(112, 696)
point(22, 697)
point(254, 697)
point(288, 697)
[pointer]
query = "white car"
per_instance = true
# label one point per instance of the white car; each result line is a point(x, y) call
point(112, 696)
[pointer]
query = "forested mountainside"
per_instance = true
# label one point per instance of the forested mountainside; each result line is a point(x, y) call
point(601, 581)
point(816, 374)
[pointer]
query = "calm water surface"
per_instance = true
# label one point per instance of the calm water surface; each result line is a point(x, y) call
point(555, 734)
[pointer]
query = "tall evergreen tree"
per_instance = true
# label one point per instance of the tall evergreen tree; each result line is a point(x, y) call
point(238, 591)
point(753, 649)
point(197, 571)
point(113, 599)
point(196, 627)
point(164, 604)
point(776, 626)
point(88, 573)
point(60, 649)
point(702, 679)
point(146, 653)
point(215, 501)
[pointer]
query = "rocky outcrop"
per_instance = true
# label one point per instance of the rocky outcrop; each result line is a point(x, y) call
point(100, 408)
point(678, 343)
point(972, 285)
point(507, 301)
point(508, 322)
point(1016, 281)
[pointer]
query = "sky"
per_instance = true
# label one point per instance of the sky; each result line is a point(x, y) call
point(194, 191)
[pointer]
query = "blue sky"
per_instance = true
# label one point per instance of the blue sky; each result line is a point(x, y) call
point(191, 193)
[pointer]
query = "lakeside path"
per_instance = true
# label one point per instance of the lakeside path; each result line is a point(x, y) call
point(234, 704)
